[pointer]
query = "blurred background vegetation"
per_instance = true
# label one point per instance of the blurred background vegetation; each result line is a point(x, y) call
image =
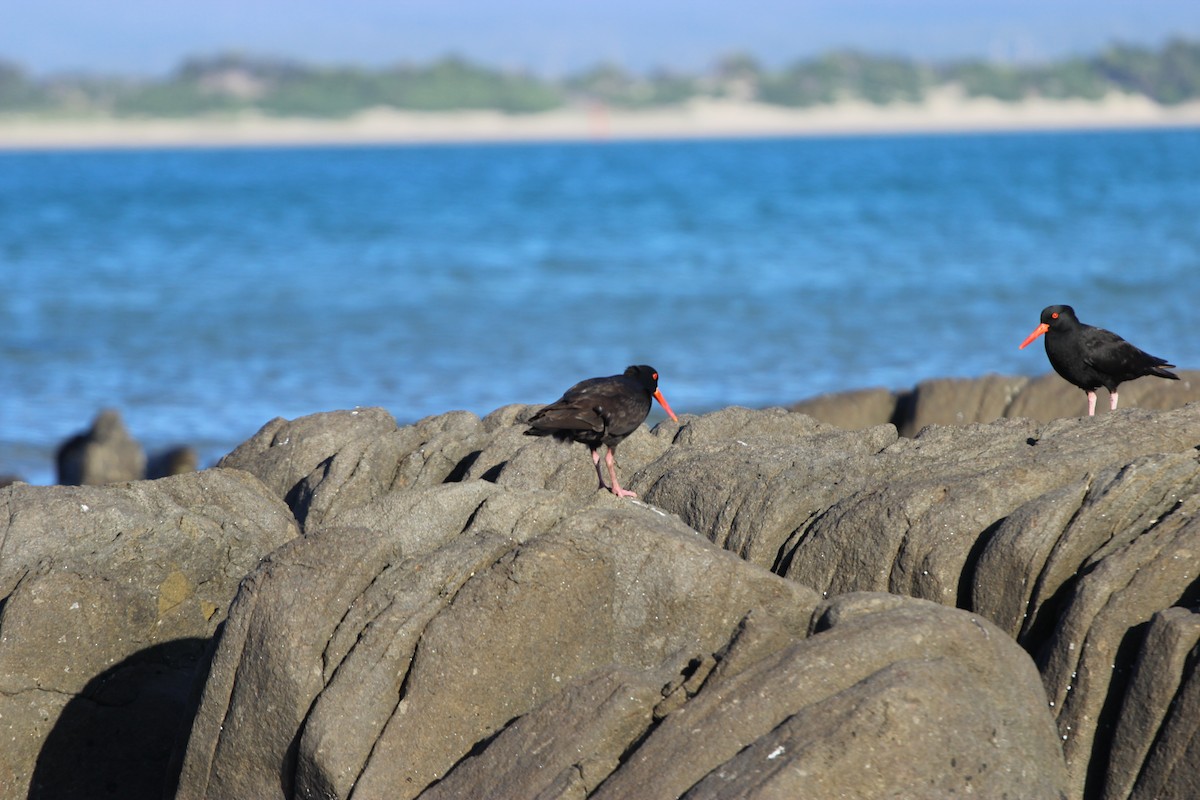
point(227, 84)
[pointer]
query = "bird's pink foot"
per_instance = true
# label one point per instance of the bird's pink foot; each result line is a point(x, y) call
point(612, 474)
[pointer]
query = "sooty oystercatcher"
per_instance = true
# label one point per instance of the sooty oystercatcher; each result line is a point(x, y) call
point(602, 411)
point(1092, 357)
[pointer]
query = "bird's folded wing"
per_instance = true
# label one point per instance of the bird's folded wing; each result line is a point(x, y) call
point(1106, 351)
point(575, 421)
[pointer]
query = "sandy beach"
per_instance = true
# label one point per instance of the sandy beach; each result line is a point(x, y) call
point(945, 110)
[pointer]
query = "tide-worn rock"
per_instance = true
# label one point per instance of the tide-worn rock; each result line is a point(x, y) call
point(566, 746)
point(478, 621)
point(853, 410)
point(1078, 575)
point(919, 532)
point(1155, 738)
point(105, 453)
point(864, 511)
point(962, 401)
point(749, 479)
point(353, 458)
point(956, 401)
point(1053, 531)
point(1050, 397)
point(960, 709)
point(284, 452)
point(1087, 660)
point(435, 450)
point(482, 639)
point(176, 460)
point(327, 465)
point(519, 461)
point(775, 496)
point(109, 597)
point(468, 612)
point(1031, 559)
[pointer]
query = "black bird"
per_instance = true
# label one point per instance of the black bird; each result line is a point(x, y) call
point(602, 411)
point(1092, 357)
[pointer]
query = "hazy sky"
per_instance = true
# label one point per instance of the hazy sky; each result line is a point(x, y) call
point(553, 37)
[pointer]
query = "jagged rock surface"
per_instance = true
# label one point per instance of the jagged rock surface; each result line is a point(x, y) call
point(109, 597)
point(960, 401)
point(1006, 608)
point(567, 651)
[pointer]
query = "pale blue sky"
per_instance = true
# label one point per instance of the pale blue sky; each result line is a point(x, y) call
point(555, 37)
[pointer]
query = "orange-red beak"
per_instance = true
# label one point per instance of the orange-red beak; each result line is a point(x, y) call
point(662, 401)
point(1038, 331)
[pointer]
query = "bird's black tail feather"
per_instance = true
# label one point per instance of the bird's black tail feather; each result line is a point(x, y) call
point(1163, 373)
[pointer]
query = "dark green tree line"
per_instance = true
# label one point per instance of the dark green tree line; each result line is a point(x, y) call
point(231, 83)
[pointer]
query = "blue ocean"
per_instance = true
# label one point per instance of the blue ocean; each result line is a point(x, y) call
point(203, 292)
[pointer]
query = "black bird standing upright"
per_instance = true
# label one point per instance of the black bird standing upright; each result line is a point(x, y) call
point(1092, 357)
point(602, 411)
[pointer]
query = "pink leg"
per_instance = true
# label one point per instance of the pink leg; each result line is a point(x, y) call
point(612, 473)
point(1091, 404)
point(1112, 401)
point(599, 474)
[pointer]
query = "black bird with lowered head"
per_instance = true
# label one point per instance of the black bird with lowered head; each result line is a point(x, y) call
point(1092, 357)
point(602, 411)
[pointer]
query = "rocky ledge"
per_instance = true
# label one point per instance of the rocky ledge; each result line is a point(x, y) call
point(347, 608)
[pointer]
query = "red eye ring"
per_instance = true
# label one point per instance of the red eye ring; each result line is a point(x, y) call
point(1054, 315)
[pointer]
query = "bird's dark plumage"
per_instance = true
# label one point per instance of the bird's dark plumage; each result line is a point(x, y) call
point(602, 411)
point(1091, 357)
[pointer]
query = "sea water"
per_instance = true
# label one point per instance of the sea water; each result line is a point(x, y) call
point(204, 292)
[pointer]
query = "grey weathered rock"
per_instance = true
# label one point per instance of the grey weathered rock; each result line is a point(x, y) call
point(566, 746)
point(852, 410)
point(284, 452)
point(430, 452)
point(539, 462)
point(1154, 741)
point(173, 461)
point(959, 401)
point(327, 465)
point(749, 479)
point(929, 504)
point(467, 612)
point(962, 712)
point(481, 638)
point(1053, 531)
point(105, 453)
point(1076, 575)
point(109, 596)
point(1038, 550)
point(463, 610)
point(1050, 397)
point(1087, 659)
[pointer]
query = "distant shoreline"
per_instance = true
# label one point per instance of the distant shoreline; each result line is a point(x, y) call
point(944, 111)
